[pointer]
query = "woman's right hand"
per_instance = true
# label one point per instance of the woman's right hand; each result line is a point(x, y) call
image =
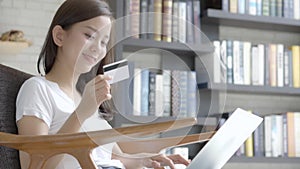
point(95, 93)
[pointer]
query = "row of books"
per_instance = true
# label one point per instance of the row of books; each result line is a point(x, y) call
point(275, 8)
point(277, 136)
point(273, 65)
point(163, 20)
point(165, 93)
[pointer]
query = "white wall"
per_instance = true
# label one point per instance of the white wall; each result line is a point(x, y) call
point(33, 17)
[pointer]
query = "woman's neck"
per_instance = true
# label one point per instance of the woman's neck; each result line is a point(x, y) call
point(65, 77)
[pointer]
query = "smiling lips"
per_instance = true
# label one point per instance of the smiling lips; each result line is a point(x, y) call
point(90, 58)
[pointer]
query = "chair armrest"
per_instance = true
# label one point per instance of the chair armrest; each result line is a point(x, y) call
point(80, 145)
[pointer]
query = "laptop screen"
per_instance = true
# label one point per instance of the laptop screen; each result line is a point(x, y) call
point(226, 141)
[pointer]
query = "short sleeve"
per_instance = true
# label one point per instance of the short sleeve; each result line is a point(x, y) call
point(33, 100)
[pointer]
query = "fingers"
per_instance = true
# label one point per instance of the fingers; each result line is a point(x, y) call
point(178, 159)
point(102, 88)
point(163, 161)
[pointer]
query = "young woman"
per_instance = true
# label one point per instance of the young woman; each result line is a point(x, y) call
point(76, 43)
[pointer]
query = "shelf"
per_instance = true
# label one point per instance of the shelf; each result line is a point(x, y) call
point(133, 45)
point(250, 21)
point(12, 48)
point(269, 160)
point(251, 89)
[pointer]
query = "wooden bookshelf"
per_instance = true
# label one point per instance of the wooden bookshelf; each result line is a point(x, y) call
point(220, 17)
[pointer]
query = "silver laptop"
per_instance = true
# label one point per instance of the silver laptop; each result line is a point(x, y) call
point(233, 133)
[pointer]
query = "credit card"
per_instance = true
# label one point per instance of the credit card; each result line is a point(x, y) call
point(118, 71)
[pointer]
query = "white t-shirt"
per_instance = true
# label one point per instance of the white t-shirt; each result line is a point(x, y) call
point(45, 100)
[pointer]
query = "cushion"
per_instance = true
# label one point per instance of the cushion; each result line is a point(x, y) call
point(10, 83)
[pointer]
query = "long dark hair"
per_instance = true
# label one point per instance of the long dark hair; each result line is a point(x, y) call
point(69, 13)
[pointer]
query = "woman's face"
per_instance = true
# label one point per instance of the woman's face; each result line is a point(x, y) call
point(85, 43)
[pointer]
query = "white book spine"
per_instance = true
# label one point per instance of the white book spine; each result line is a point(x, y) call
point(236, 63)
point(247, 63)
point(280, 65)
point(137, 92)
point(268, 125)
point(182, 22)
point(297, 133)
point(159, 95)
point(261, 64)
point(255, 63)
point(217, 62)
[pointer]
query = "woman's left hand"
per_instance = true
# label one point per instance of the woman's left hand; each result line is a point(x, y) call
point(161, 160)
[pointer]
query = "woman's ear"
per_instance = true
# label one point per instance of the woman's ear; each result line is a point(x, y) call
point(58, 35)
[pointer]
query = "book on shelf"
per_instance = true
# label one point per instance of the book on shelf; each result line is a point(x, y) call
point(277, 136)
point(164, 20)
point(245, 63)
point(164, 93)
point(274, 8)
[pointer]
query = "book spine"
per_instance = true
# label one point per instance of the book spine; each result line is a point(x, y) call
point(291, 134)
point(192, 105)
point(135, 18)
point(175, 21)
point(150, 27)
point(197, 22)
point(286, 8)
point(255, 62)
point(167, 20)
point(236, 62)
point(182, 22)
point(259, 7)
point(280, 69)
point(189, 22)
point(225, 5)
point(157, 20)
point(261, 64)
point(296, 66)
point(266, 7)
point(296, 9)
point(167, 92)
point(217, 61)
point(143, 19)
point(241, 6)
point(223, 62)
point(267, 130)
point(259, 141)
point(183, 83)
point(175, 93)
point(273, 8)
point(267, 65)
point(285, 137)
point(159, 87)
point(137, 92)
point(297, 133)
point(279, 8)
point(286, 68)
point(233, 5)
point(152, 93)
point(252, 7)
point(144, 92)
point(247, 63)
point(273, 67)
point(229, 62)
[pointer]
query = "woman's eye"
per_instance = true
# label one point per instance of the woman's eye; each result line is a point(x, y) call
point(103, 43)
point(89, 36)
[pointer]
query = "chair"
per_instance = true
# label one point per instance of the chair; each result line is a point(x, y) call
point(77, 144)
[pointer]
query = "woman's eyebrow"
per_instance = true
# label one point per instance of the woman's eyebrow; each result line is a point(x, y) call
point(91, 28)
